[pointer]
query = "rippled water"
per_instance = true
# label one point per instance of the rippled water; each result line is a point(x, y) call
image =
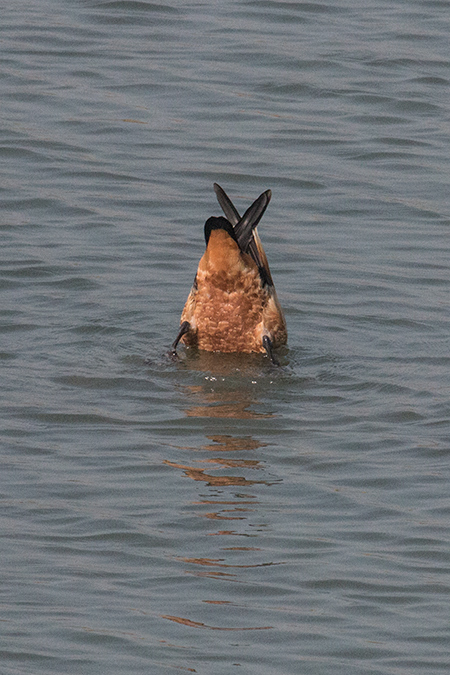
point(218, 515)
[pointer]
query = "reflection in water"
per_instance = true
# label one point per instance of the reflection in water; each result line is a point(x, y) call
point(216, 516)
point(199, 474)
point(230, 405)
point(217, 397)
point(234, 463)
point(225, 365)
point(228, 443)
point(222, 402)
point(218, 562)
point(199, 624)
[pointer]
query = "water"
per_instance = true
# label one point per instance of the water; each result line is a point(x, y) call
point(218, 515)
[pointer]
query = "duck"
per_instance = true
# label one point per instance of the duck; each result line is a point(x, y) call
point(232, 305)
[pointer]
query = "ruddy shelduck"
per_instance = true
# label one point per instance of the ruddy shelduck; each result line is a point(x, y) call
point(233, 306)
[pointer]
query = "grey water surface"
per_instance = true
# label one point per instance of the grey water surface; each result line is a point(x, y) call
point(218, 515)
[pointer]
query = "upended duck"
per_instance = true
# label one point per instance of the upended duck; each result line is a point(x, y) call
point(232, 305)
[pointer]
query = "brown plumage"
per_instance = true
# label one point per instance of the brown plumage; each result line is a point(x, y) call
point(233, 306)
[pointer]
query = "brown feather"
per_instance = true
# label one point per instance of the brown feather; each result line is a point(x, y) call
point(229, 309)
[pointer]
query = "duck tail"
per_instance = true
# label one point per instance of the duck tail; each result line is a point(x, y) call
point(227, 205)
point(245, 228)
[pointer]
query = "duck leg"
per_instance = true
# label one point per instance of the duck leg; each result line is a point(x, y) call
point(268, 346)
point(184, 328)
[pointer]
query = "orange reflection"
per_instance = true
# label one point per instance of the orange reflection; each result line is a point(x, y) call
point(199, 474)
point(228, 443)
point(232, 404)
point(199, 624)
point(227, 392)
point(216, 516)
point(234, 463)
point(218, 562)
point(226, 364)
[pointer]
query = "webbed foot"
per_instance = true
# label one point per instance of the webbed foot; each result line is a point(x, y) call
point(268, 346)
point(184, 328)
